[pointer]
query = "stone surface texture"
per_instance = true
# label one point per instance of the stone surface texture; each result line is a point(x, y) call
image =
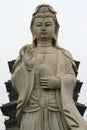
point(44, 75)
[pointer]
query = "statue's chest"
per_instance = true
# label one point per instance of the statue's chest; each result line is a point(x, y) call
point(48, 59)
point(48, 63)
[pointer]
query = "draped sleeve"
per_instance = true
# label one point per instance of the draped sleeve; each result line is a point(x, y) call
point(22, 80)
point(68, 82)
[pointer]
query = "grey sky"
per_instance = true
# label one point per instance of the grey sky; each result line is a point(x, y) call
point(15, 17)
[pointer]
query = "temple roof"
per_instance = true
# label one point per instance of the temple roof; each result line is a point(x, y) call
point(10, 64)
point(77, 64)
point(78, 86)
point(81, 108)
point(9, 108)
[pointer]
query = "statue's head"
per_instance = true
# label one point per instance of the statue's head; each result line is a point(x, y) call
point(45, 16)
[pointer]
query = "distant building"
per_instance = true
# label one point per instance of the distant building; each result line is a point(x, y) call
point(9, 109)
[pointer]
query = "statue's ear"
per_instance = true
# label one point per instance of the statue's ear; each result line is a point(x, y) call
point(34, 37)
point(56, 30)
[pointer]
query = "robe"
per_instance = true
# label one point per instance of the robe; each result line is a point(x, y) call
point(23, 82)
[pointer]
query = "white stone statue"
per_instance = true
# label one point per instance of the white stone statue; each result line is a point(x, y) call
point(44, 75)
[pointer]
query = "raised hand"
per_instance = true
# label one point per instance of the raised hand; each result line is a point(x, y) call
point(28, 58)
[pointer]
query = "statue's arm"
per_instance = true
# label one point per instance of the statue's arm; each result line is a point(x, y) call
point(18, 74)
point(69, 79)
point(18, 77)
point(20, 70)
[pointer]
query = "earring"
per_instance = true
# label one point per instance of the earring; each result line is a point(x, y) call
point(35, 42)
point(54, 40)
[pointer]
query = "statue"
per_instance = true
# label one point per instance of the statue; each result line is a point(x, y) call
point(44, 75)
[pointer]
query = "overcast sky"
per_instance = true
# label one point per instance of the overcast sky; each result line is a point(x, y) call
point(15, 17)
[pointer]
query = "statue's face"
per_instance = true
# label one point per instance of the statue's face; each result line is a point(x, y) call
point(44, 28)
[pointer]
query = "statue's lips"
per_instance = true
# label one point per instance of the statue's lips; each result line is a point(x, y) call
point(43, 33)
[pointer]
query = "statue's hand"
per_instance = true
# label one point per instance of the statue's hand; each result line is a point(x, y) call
point(50, 82)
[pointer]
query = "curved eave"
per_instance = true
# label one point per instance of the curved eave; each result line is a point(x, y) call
point(77, 64)
point(78, 86)
point(81, 108)
point(10, 64)
point(9, 108)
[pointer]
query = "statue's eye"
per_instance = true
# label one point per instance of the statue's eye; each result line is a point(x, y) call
point(38, 24)
point(48, 24)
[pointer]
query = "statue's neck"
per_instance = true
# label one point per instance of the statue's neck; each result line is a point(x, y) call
point(47, 43)
point(45, 47)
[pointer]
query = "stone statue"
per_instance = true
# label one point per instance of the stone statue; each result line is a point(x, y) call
point(44, 75)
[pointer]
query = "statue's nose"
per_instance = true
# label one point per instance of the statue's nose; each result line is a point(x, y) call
point(43, 28)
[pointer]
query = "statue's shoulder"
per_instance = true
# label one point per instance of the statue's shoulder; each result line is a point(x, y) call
point(69, 58)
point(65, 52)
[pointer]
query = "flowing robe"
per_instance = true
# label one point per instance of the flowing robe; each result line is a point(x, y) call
point(23, 82)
